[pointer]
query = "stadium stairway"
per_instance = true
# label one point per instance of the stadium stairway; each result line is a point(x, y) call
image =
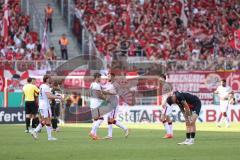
point(59, 27)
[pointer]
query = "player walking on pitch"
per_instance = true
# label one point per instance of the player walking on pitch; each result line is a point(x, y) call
point(45, 109)
point(111, 88)
point(225, 94)
point(190, 105)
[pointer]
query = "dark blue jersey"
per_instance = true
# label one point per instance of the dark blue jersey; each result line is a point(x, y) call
point(191, 100)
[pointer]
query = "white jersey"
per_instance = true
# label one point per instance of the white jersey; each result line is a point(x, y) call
point(109, 87)
point(94, 100)
point(43, 99)
point(224, 92)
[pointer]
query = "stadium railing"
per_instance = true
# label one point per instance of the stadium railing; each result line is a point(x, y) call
point(132, 62)
point(23, 65)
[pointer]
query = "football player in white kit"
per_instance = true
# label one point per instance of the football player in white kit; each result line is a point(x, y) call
point(167, 109)
point(225, 94)
point(45, 109)
point(96, 99)
point(111, 87)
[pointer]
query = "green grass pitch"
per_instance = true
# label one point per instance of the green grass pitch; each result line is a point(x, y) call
point(144, 143)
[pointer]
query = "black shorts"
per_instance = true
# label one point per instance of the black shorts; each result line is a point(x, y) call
point(197, 108)
point(55, 110)
point(30, 107)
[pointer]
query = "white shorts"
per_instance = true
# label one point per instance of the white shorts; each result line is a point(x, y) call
point(167, 110)
point(224, 105)
point(113, 114)
point(45, 113)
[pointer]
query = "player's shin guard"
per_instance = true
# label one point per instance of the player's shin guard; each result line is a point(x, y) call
point(28, 121)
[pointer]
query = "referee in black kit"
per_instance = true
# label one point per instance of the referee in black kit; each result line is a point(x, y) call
point(55, 106)
point(29, 93)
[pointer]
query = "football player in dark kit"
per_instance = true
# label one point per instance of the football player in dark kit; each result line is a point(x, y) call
point(55, 106)
point(190, 105)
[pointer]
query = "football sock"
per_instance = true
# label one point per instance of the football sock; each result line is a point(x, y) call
point(94, 127)
point(39, 127)
point(110, 130)
point(49, 131)
point(166, 126)
point(170, 126)
point(188, 135)
point(98, 123)
point(120, 125)
point(192, 134)
point(27, 123)
point(222, 119)
point(226, 120)
point(54, 123)
point(34, 123)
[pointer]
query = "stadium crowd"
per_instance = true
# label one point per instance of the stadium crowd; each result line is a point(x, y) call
point(190, 30)
point(189, 34)
point(20, 43)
